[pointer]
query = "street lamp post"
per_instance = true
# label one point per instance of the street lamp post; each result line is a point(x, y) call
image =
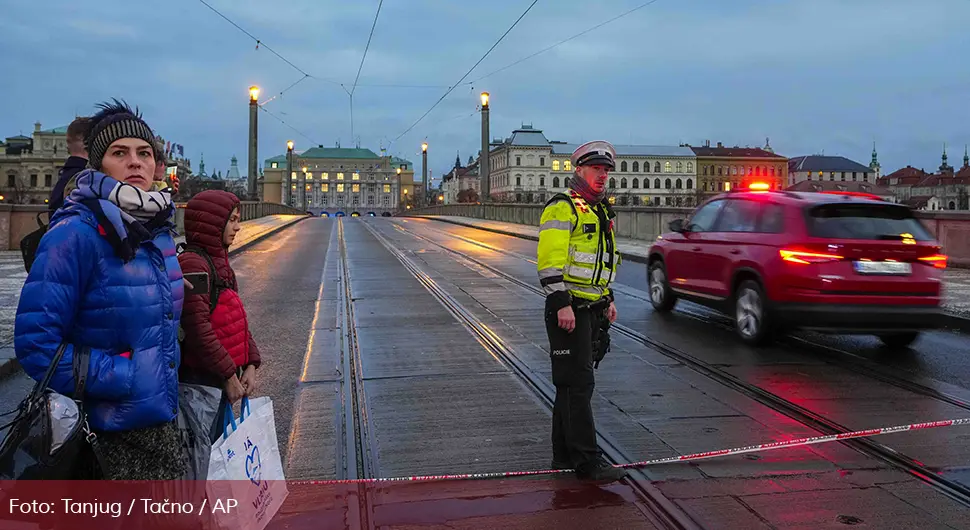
point(301, 188)
point(289, 173)
point(424, 172)
point(253, 118)
point(483, 158)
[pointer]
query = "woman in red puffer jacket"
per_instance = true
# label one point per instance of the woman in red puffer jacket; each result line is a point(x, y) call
point(218, 349)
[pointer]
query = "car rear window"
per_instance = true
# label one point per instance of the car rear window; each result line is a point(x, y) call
point(864, 221)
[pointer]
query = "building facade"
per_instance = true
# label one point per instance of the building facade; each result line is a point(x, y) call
point(462, 183)
point(828, 168)
point(29, 165)
point(722, 168)
point(947, 189)
point(529, 168)
point(338, 180)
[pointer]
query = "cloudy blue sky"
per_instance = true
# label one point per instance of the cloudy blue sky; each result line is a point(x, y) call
point(832, 75)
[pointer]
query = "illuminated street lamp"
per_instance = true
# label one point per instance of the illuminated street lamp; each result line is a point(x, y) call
point(483, 157)
point(253, 119)
point(424, 170)
point(287, 197)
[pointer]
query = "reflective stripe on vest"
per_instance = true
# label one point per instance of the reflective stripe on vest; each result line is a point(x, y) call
point(593, 255)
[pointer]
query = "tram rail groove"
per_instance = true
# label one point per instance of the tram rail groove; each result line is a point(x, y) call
point(832, 355)
point(955, 490)
point(358, 452)
point(659, 509)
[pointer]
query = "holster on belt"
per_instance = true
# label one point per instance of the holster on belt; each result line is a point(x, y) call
point(601, 326)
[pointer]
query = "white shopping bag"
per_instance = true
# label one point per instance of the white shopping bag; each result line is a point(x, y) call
point(245, 469)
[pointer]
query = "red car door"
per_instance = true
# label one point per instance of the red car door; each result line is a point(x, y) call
point(691, 264)
point(733, 241)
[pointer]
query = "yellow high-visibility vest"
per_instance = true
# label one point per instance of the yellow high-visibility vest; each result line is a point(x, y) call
point(577, 247)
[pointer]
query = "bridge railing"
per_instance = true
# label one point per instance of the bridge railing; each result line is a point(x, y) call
point(951, 228)
point(18, 220)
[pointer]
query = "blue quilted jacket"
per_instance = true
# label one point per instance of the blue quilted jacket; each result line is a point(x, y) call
point(80, 292)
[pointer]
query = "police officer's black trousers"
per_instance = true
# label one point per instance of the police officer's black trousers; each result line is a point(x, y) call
point(573, 431)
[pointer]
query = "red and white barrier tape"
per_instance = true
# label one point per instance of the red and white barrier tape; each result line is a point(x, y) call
point(696, 456)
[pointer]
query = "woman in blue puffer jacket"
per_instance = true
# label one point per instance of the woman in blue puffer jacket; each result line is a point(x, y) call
point(106, 278)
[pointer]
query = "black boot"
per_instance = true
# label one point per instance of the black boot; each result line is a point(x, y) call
point(600, 471)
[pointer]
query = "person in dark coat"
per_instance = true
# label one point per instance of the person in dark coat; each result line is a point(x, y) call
point(106, 278)
point(76, 162)
point(218, 348)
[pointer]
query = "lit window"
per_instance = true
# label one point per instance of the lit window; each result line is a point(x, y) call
point(690, 167)
point(667, 167)
point(309, 176)
point(555, 165)
point(293, 175)
point(680, 167)
point(308, 187)
point(325, 187)
point(340, 176)
point(340, 187)
point(355, 188)
point(274, 165)
point(568, 165)
point(387, 188)
point(356, 176)
point(325, 176)
point(293, 187)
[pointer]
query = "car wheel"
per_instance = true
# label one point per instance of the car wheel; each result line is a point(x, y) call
point(662, 297)
point(750, 313)
point(899, 340)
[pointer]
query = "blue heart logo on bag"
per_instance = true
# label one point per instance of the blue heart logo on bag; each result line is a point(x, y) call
point(253, 467)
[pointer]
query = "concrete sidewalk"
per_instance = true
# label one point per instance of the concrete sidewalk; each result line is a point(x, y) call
point(13, 275)
point(956, 289)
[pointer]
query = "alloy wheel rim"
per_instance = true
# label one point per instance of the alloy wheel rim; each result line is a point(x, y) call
point(657, 285)
point(748, 313)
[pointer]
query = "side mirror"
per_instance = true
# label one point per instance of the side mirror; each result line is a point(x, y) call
point(677, 225)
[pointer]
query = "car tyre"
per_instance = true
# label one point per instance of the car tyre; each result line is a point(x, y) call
point(751, 321)
point(899, 340)
point(662, 297)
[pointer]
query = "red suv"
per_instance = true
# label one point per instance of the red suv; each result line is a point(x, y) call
point(782, 260)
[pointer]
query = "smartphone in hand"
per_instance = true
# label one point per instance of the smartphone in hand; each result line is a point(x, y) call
point(199, 281)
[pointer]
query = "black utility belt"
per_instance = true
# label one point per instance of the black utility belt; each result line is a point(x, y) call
point(579, 303)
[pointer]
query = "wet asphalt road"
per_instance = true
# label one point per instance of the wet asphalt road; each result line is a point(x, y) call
point(939, 355)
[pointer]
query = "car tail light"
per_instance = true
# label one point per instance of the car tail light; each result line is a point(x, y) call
point(805, 258)
point(936, 260)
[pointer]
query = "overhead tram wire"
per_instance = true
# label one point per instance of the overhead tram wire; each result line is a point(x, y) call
point(580, 34)
point(361, 67)
point(450, 89)
point(297, 131)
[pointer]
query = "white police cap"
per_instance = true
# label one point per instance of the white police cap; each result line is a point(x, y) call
point(595, 152)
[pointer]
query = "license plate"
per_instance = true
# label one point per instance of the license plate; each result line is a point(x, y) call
point(882, 267)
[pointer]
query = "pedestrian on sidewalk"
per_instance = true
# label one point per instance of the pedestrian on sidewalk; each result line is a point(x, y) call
point(106, 279)
point(577, 261)
point(76, 162)
point(218, 349)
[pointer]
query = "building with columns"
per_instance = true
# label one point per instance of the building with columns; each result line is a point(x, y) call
point(340, 180)
point(527, 167)
point(29, 165)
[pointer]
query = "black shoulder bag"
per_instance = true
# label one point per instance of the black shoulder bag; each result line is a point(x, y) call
point(49, 439)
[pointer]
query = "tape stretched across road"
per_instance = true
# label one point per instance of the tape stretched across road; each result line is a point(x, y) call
point(669, 460)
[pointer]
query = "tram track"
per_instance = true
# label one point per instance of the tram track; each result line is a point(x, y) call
point(660, 510)
point(357, 457)
point(955, 490)
point(832, 355)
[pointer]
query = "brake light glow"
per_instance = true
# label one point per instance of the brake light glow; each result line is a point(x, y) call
point(936, 260)
point(807, 258)
point(759, 186)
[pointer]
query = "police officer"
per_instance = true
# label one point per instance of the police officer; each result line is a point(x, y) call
point(577, 261)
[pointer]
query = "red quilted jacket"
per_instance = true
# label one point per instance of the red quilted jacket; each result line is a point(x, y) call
point(214, 344)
